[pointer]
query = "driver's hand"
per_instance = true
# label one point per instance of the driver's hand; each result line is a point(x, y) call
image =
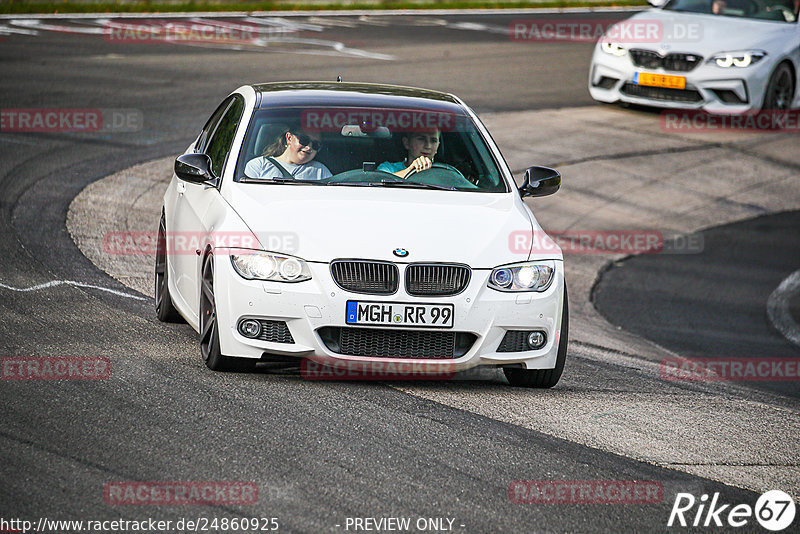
point(420, 164)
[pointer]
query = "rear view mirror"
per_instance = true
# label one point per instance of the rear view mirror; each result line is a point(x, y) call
point(195, 168)
point(540, 182)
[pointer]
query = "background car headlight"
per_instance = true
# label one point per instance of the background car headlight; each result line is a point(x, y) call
point(740, 59)
point(529, 276)
point(612, 48)
point(273, 267)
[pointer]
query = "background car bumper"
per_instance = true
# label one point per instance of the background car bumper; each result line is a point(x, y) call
point(708, 87)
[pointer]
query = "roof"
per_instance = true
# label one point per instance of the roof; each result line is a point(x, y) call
point(289, 94)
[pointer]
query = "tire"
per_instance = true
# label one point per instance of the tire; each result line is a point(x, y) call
point(165, 311)
point(210, 348)
point(544, 378)
point(780, 90)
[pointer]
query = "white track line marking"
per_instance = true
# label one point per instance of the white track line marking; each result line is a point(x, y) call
point(289, 25)
point(37, 25)
point(336, 48)
point(6, 30)
point(55, 283)
point(778, 308)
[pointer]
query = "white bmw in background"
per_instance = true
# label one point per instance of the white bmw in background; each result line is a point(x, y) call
point(360, 265)
point(721, 56)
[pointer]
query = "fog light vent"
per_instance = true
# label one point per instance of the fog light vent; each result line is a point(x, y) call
point(265, 330)
point(522, 340)
point(606, 82)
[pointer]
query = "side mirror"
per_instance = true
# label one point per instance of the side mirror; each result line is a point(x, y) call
point(540, 182)
point(657, 3)
point(195, 168)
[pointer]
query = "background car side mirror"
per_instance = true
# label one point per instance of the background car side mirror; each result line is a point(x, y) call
point(195, 168)
point(540, 182)
point(657, 3)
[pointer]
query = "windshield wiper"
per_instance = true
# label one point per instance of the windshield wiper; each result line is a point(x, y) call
point(422, 185)
point(354, 182)
point(277, 179)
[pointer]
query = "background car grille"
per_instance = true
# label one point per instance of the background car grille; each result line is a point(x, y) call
point(371, 277)
point(673, 62)
point(662, 93)
point(436, 279)
point(275, 331)
point(395, 343)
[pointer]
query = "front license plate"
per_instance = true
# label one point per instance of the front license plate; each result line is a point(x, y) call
point(399, 314)
point(659, 80)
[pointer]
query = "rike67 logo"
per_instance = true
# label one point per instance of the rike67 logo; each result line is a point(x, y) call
point(774, 510)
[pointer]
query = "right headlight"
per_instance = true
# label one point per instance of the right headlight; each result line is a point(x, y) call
point(257, 265)
point(528, 276)
point(741, 59)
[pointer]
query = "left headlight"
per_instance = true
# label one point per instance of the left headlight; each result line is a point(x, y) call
point(613, 48)
point(741, 59)
point(529, 276)
point(255, 265)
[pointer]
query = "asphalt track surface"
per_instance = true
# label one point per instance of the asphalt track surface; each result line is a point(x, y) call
point(319, 452)
point(710, 305)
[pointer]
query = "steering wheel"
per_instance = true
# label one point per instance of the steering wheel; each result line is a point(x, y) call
point(435, 165)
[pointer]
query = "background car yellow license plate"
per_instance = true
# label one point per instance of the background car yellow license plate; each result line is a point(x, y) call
point(659, 80)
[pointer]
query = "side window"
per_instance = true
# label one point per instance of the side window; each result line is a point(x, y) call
point(208, 129)
point(221, 140)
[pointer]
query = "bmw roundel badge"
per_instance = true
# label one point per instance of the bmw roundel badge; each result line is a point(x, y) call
point(400, 252)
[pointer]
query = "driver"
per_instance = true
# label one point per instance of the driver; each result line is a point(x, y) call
point(421, 147)
point(291, 155)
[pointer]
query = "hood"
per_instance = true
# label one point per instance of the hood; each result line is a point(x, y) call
point(706, 35)
point(322, 223)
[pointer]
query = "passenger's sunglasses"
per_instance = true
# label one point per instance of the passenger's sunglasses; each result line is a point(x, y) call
point(306, 140)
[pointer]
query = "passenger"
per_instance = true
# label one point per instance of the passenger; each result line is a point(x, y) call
point(421, 148)
point(718, 7)
point(289, 156)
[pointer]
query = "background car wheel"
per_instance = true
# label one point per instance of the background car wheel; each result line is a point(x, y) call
point(780, 89)
point(210, 348)
point(544, 378)
point(165, 311)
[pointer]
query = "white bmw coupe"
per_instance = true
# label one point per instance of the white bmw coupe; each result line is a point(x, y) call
point(355, 223)
point(721, 56)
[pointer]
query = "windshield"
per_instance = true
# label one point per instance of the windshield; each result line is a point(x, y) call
point(776, 10)
point(368, 147)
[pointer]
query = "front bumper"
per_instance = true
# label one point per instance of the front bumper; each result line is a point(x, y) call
point(307, 307)
point(708, 87)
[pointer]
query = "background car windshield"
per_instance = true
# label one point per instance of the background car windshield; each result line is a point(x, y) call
point(358, 140)
point(776, 10)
